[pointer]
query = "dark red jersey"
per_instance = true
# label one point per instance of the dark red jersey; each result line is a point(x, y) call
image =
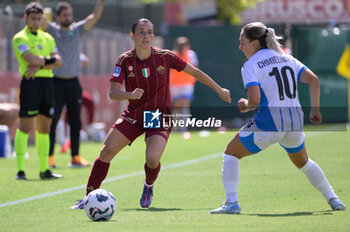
point(151, 75)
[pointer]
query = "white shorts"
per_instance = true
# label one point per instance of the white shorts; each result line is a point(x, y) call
point(255, 140)
point(182, 92)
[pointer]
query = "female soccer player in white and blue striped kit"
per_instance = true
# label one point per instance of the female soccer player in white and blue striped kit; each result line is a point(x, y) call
point(270, 78)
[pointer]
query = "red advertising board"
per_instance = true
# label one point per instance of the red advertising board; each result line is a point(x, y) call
point(298, 11)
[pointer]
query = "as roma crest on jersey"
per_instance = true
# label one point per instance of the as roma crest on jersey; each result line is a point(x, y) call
point(146, 72)
point(160, 69)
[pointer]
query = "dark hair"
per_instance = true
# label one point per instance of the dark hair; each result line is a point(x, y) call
point(142, 20)
point(34, 8)
point(265, 35)
point(62, 6)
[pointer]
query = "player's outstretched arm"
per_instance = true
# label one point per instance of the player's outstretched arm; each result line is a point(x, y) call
point(308, 77)
point(92, 19)
point(115, 93)
point(205, 79)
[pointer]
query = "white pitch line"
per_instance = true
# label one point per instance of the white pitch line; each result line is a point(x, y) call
point(45, 195)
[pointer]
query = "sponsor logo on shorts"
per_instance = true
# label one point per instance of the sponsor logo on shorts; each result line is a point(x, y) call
point(151, 118)
point(116, 72)
point(131, 120)
point(32, 112)
point(120, 120)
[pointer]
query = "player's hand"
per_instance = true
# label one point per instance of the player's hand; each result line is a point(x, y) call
point(137, 93)
point(30, 73)
point(315, 115)
point(225, 95)
point(243, 105)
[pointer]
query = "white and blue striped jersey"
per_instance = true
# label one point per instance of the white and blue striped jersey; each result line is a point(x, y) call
point(277, 75)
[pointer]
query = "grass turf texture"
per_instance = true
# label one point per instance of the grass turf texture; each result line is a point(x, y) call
point(274, 195)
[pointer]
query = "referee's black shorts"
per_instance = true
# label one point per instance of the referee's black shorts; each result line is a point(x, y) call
point(37, 97)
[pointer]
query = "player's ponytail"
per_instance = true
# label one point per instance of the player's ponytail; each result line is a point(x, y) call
point(266, 36)
point(272, 40)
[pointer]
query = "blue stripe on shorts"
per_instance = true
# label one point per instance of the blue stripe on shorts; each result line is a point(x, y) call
point(295, 149)
point(248, 143)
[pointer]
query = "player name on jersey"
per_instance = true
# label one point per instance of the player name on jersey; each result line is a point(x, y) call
point(273, 60)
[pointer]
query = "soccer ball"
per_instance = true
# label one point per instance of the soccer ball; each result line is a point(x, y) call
point(100, 205)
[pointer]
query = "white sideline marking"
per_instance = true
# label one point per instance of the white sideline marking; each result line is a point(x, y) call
point(45, 195)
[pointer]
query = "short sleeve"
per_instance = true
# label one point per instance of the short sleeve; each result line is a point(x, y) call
point(52, 28)
point(118, 74)
point(80, 26)
point(55, 50)
point(52, 42)
point(248, 76)
point(119, 71)
point(176, 62)
point(20, 46)
point(300, 67)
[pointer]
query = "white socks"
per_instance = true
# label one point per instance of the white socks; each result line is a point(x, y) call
point(230, 177)
point(317, 178)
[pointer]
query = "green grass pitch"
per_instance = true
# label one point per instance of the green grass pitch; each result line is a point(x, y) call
point(274, 195)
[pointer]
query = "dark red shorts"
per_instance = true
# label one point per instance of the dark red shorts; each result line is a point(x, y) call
point(133, 129)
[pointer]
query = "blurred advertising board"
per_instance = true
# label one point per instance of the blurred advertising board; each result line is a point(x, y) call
point(298, 11)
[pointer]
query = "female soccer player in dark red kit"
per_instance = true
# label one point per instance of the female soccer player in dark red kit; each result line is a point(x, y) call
point(145, 72)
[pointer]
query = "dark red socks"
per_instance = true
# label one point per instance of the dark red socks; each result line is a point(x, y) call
point(98, 174)
point(151, 174)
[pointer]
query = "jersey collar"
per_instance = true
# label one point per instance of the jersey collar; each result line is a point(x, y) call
point(30, 33)
point(134, 53)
